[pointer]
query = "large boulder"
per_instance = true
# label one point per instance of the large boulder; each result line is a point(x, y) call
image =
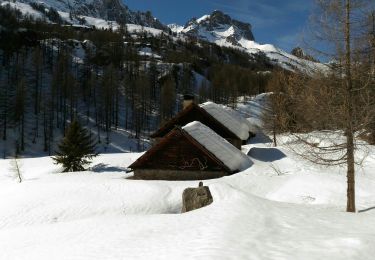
point(195, 198)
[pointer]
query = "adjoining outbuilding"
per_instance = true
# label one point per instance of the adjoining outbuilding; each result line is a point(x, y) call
point(232, 119)
point(193, 152)
point(224, 121)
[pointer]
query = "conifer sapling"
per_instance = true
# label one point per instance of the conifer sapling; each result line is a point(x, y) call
point(76, 149)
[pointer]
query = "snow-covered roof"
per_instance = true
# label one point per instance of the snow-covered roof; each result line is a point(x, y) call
point(229, 118)
point(229, 155)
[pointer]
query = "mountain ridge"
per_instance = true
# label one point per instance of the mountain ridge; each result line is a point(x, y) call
point(217, 27)
point(223, 30)
point(111, 10)
point(218, 21)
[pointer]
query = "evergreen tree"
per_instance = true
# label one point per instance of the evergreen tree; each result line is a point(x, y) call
point(76, 149)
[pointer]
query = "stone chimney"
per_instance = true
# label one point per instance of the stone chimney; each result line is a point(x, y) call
point(188, 99)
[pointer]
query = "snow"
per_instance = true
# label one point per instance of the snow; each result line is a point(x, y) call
point(237, 115)
point(100, 23)
point(228, 118)
point(282, 207)
point(282, 58)
point(175, 28)
point(219, 35)
point(64, 6)
point(149, 53)
point(25, 9)
point(234, 159)
point(91, 21)
point(204, 17)
point(224, 34)
point(256, 214)
point(253, 110)
point(134, 28)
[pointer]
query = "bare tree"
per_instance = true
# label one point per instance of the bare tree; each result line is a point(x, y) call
point(337, 101)
point(276, 117)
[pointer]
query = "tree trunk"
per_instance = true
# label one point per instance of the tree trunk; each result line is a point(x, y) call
point(349, 117)
point(274, 131)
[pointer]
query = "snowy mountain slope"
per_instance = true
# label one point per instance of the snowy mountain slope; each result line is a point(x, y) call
point(224, 31)
point(24, 8)
point(217, 27)
point(109, 10)
point(253, 110)
point(175, 27)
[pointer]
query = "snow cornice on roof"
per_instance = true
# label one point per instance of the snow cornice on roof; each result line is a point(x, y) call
point(229, 118)
point(229, 155)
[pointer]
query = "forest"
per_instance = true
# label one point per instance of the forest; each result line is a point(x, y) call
point(53, 73)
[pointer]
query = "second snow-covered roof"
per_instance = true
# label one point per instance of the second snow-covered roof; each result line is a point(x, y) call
point(229, 155)
point(229, 118)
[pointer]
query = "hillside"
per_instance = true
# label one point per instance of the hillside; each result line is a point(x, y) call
point(108, 10)
point(120, 81)
point(216, 27)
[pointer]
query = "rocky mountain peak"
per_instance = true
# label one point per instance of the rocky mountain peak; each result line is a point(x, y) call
point(300, 53)
point(218, 18)
point(220, 26)
point(221, 29)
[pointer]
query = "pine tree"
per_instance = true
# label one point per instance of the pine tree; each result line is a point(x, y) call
point(76, 149)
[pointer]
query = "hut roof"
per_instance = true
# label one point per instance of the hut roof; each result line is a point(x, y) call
point(228, 117)
point(229, 155)
point(216, 148)
point(193, 113)
point(229, 121)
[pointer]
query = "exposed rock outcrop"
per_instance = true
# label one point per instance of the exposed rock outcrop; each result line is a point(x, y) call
point(299, 52)
point(195, 198)
point(219, 24)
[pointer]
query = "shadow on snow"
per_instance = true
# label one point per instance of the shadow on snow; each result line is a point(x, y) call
point(266, 154)
point(102, 167)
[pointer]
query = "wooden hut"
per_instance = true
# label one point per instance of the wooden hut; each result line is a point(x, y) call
point(193, 152)
point(234, 129)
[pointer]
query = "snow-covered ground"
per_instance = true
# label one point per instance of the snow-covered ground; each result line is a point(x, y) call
point(282, 207)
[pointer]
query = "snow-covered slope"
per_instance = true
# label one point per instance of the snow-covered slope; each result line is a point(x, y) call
point(280, 208)
point(108, 10)
point(219, 28)
point(218, 25)
point(253, 109)
point(175, 27)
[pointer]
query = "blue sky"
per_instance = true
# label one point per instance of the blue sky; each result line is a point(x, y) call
point(280, 22)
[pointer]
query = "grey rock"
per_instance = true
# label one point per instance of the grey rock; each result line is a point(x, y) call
point(195, 198)
point(299, 52)
point(216, 22)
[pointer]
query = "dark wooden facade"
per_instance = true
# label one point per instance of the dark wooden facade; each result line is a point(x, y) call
point(195, 113)
point(178, 156)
